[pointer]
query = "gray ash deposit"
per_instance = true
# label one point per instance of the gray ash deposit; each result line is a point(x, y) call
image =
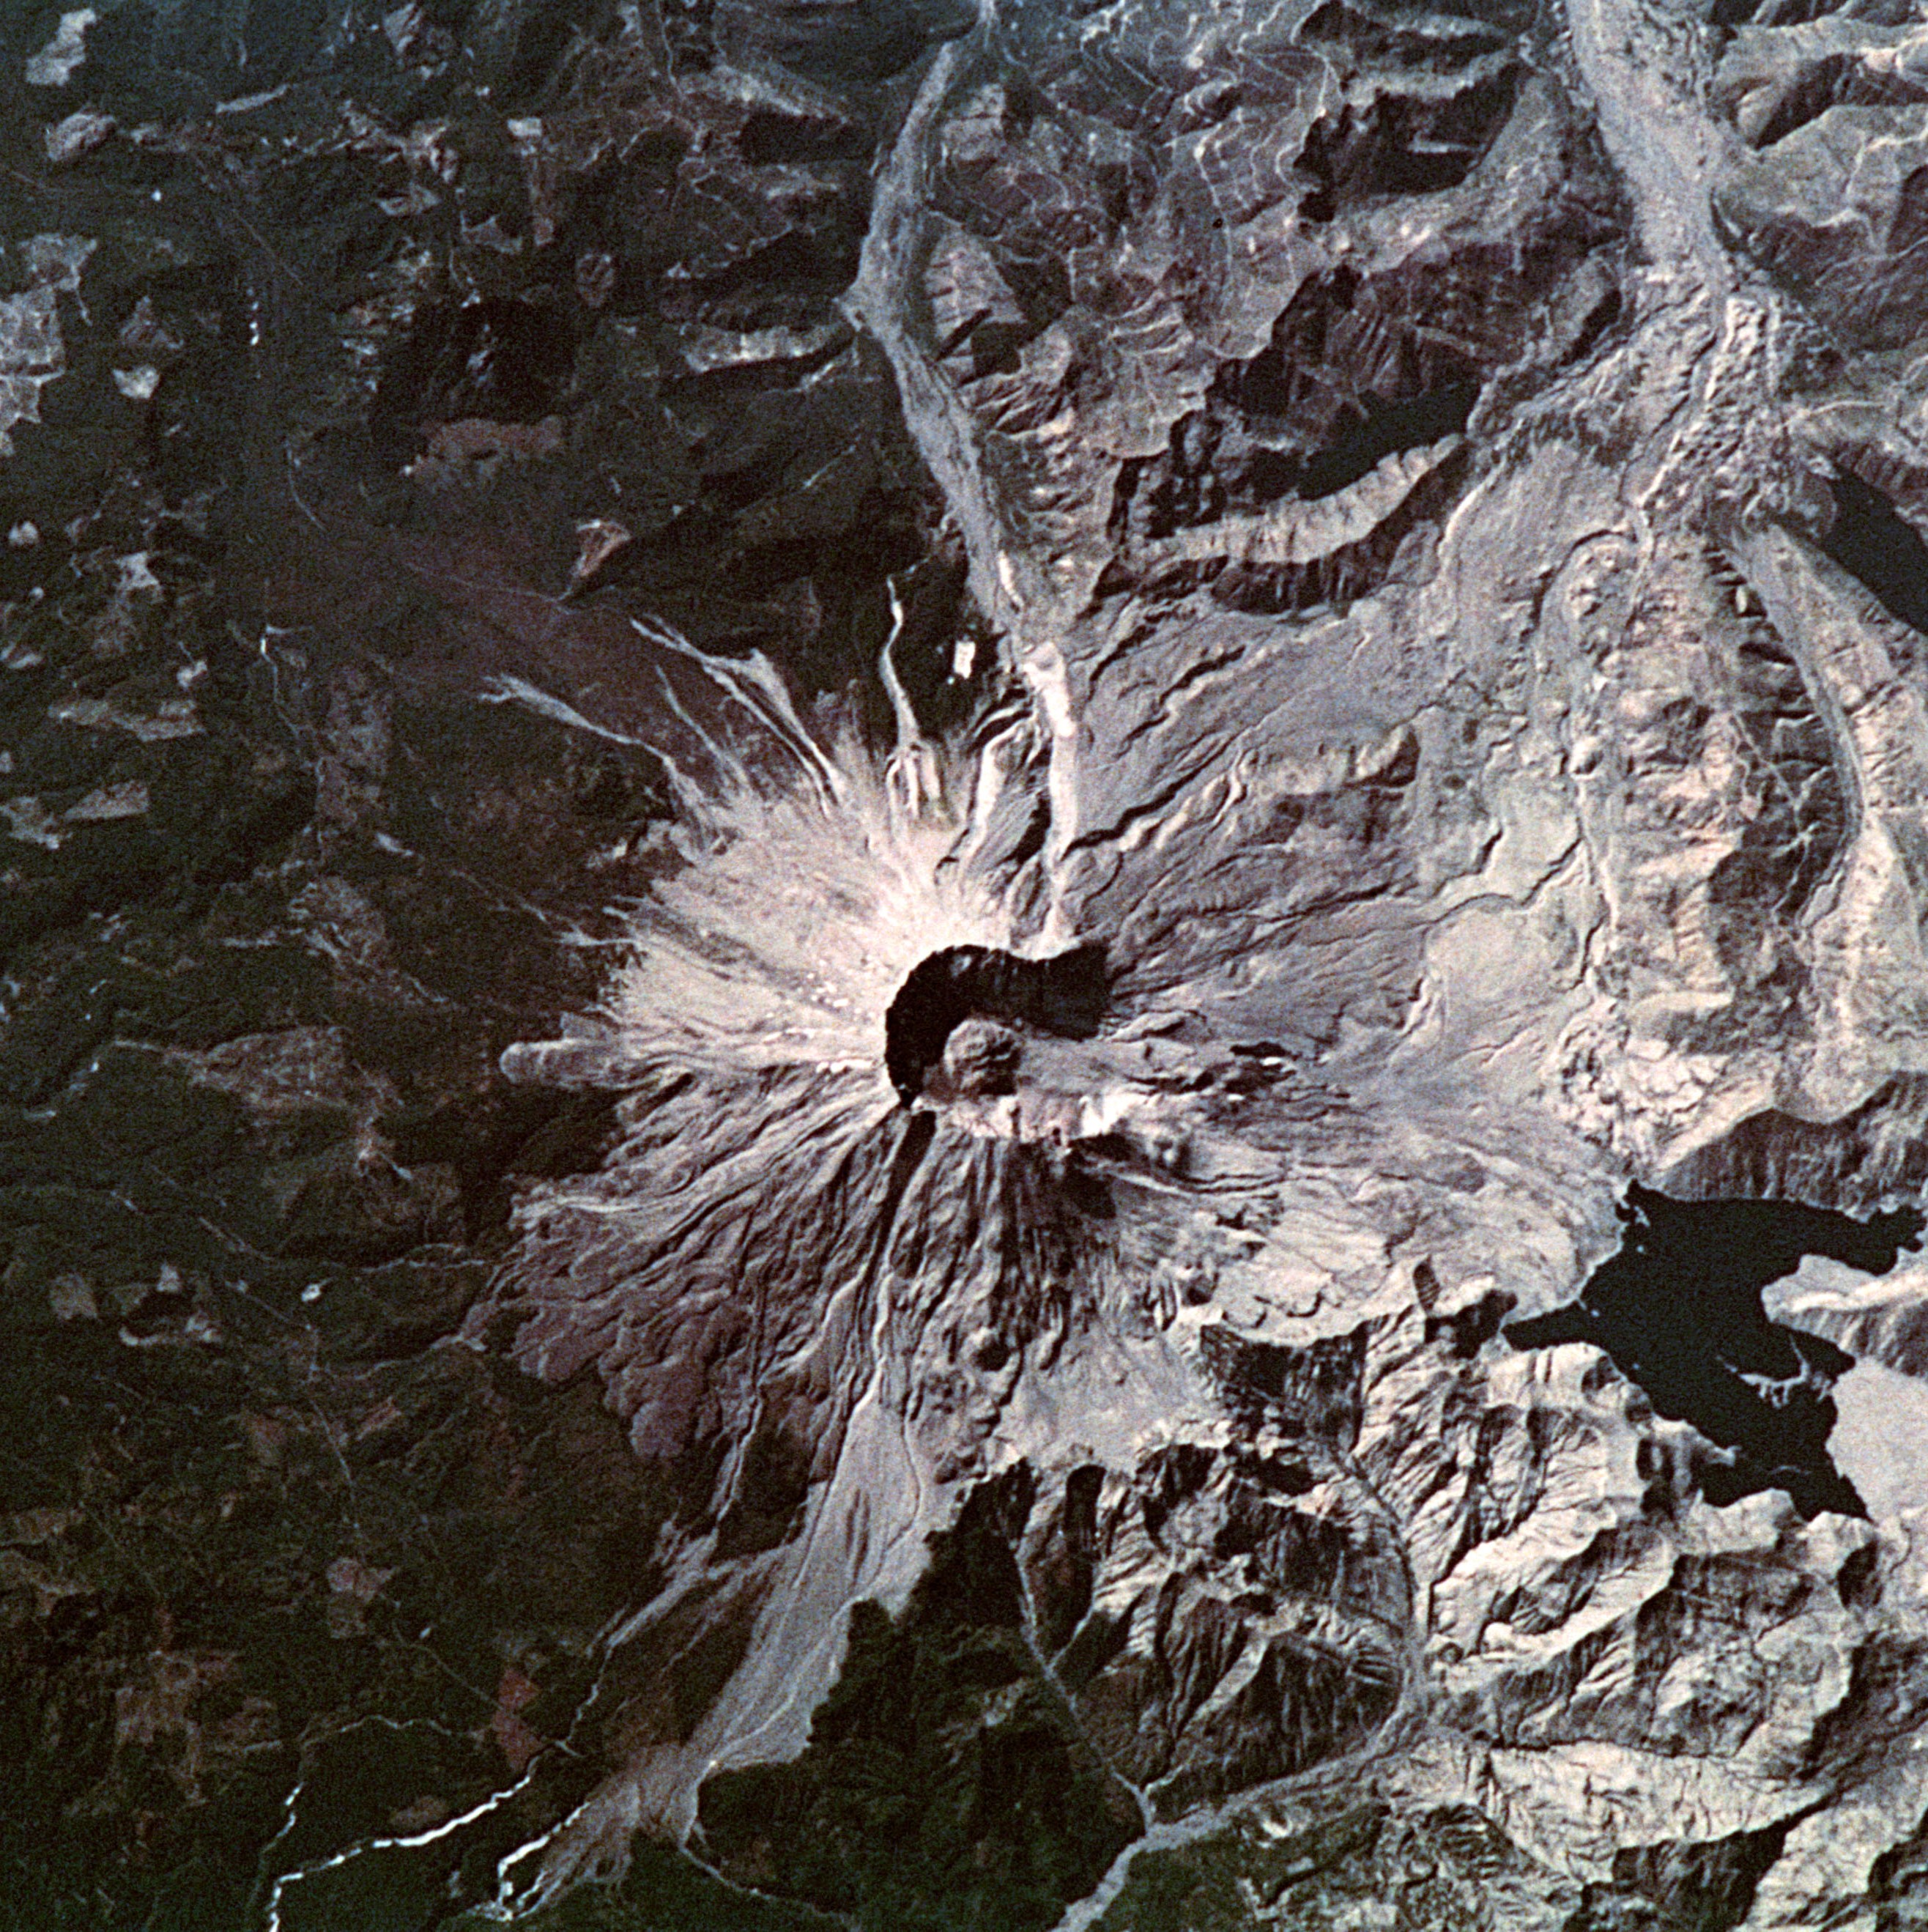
point(964, 965)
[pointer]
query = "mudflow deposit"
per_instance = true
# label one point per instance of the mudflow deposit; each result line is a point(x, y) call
point(966, 968)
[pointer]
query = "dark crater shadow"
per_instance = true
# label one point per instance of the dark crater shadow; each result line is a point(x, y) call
point(1064, 995)
point(1678, 1309)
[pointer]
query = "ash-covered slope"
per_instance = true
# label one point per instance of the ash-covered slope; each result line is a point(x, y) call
point(1445, 489)
point(1121, 708)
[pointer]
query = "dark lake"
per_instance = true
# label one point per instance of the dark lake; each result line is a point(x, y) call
point(1678, 1309)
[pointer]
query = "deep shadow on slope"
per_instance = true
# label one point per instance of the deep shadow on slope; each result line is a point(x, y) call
point(1384, 428)
point(1678, 1308)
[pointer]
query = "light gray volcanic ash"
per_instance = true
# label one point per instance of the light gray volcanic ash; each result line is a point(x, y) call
point(1411, 465)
